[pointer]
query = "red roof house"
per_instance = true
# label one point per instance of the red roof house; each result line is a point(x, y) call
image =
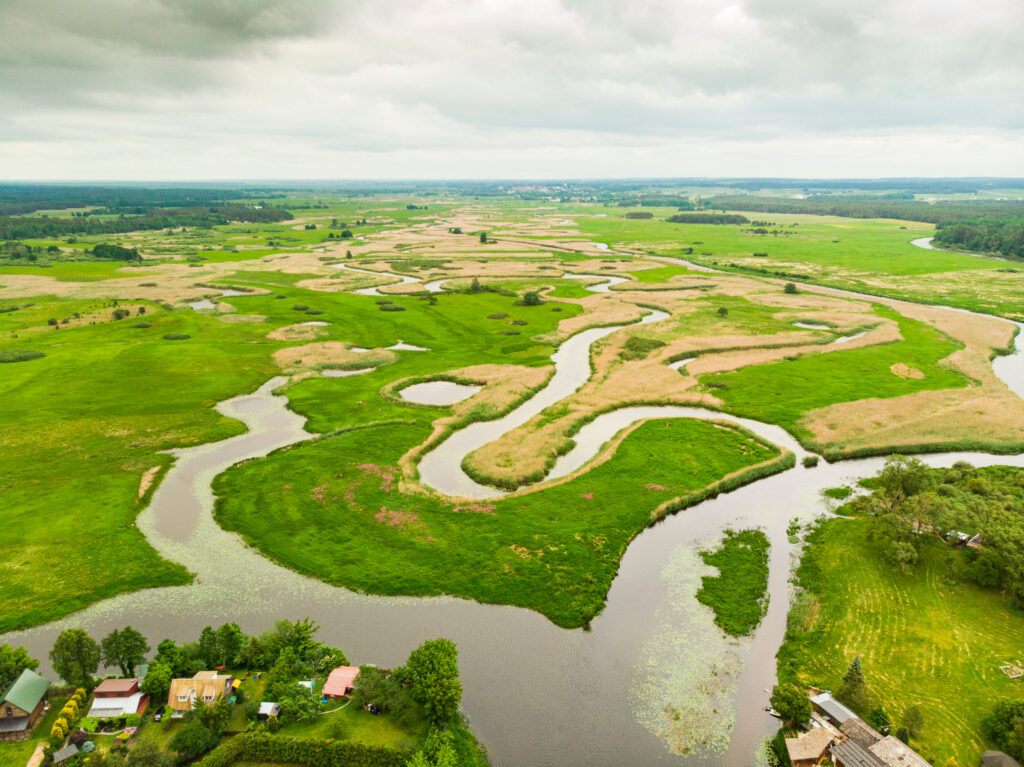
point(340, 682)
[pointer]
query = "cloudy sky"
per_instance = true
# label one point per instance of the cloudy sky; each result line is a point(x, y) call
point(246, 89)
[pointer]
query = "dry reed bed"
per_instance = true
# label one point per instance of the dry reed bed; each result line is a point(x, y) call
point(317, 355)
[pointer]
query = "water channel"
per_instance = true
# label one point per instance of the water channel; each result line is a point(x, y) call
point(534, 693)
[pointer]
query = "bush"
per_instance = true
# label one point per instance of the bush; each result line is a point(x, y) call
point(142, 325)
point(810, 461)
point(252, 710)
point(90, 724)
point(497, 316)
point(531, 298)
point(19, 355)
point(300, 308)
point(315, 311)
point(790, 288)
point(392, 308)
point(176, 337)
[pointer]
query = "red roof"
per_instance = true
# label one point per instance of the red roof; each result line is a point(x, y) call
point(116, 686)
point(340, 680)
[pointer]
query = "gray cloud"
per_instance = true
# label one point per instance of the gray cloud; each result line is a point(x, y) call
point(319, 87)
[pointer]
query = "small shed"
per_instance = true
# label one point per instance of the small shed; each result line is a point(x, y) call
point(832, 708)
point(64, 754)
point(267, 710)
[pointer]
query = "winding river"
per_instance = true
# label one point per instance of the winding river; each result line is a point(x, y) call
point(534, 693)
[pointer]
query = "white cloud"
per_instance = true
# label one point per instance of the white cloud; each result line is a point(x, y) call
point(534, 88)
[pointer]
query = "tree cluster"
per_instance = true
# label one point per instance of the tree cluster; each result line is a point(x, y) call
point(1000, 235)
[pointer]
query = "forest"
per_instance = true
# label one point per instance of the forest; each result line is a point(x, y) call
point(1004, 236)
point(860, 206)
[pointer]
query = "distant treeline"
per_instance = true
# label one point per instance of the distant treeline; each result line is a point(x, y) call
point(1004, 235)
point(708, 218)
point(858, 206)
point(19, 199)
point(29, 227)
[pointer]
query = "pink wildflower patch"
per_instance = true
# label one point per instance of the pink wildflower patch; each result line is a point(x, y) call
point(476, 508)
point(317, 493)
point(404, 521)
point(587, 496)
point(653, 487)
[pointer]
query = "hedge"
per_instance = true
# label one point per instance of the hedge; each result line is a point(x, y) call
point(263, 747)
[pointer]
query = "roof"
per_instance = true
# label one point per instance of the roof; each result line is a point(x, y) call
point(116, 686)
point(832, 707)
point(14, 724)
point(809, 745)
point(852, 754)
point(998, 759)
point(268, 708)
point(858, 730)
point(896, 753)
point(340, 680)
point(65, 753)
point(27, 690)
point(108, 708)
point(205, 684)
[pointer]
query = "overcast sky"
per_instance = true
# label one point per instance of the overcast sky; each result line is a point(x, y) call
point(236, 89)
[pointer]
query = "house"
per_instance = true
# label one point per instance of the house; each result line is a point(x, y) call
point(850, 753)
point(809, 748)
point(864, 734)
point(22, 705)
point(340, 682)
point(267, 710)
point(115, 698)
point(64, 754)
point(832, 708)
point(205, 686)
point(895, 753)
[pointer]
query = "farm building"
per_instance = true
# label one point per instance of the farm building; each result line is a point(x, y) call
point(118, 697)
point(339, 683)
point(832, 708)
point(22, 705)
point(205, 686)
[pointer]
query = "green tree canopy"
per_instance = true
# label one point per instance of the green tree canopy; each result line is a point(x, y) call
point(75, 657)
point(14, 660)
point(125, 649)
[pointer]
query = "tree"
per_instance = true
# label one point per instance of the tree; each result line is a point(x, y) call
point(214, 716)
point(483, 238)
point(438, 751)
point(125, 649)
point(878, 719)
point(147, 754)
point(723, 311)
point(531, 298)
point(230, 637)
point(192, 739)
point(209, 647)
point(14, 660)
point(791, 703)
point(790, 288)
point(902, 478)
point(432, 673)
point(913, 721)
point(75, 657)
point(157, 683)
point(854, 689)
point(902, 733)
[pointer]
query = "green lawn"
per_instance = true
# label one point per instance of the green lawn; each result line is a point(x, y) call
point(358, 725)
point(923, 639)
point(555, 551)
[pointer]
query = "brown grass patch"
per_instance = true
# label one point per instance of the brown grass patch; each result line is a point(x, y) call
point(296, 333)
point(243, 319)
point(905, 371)
point(295, 359)
point(147, 480)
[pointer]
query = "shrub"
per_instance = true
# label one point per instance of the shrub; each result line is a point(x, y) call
point(300, 308)
point(810, 461)
point(517, 322)
point(142, 325)
point(497, 316)
point(384, 301)
point(531, 298)
point(176, 337)
point(392, 308)
point(19, 355)
point(315, 311)
point(790, 288)
point(90, 724)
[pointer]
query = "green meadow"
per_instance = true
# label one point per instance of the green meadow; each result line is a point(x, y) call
point(924, 639)
point(555, 550)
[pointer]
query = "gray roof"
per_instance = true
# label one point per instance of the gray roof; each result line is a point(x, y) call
point(14, 724)
point(998, 759)
point(852, 754)
point(896, 753)
point(862, 732)
point(65, 753)
point(832, 708)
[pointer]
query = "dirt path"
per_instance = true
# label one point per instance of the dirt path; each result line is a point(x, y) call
point(37, 756)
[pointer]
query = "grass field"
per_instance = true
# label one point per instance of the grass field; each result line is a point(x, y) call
point(923, 639)
point(782, 392)
point(555, 551)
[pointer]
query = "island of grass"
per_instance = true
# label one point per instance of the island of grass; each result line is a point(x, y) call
point(555, 550)
point(929, 634)
point(738, 594)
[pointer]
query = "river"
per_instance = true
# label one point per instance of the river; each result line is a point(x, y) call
point(534, 693)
